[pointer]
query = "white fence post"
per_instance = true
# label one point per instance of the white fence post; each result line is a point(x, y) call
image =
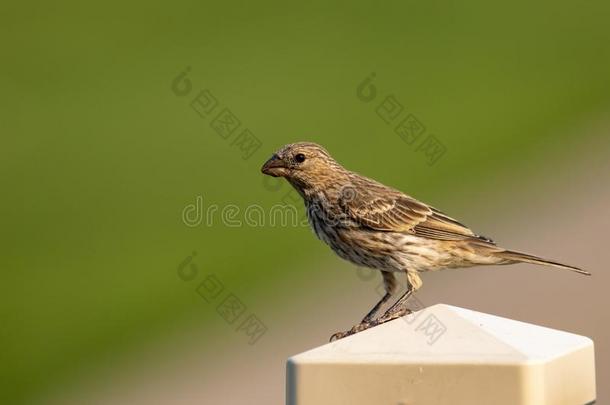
point(445, 355)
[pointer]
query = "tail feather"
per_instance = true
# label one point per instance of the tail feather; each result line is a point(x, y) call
point(515, 257)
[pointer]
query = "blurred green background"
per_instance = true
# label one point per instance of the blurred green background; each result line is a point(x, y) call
point(99, 157)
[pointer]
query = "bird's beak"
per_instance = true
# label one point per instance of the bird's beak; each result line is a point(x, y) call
point(274, 166)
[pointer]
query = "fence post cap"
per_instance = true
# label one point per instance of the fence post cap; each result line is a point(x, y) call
point(451, 354)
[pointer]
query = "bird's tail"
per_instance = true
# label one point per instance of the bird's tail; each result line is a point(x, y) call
point(518, 257)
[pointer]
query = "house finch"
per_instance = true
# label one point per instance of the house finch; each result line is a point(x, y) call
point(376, 226)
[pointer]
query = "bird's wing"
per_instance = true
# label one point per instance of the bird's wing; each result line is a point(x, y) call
point(384, 209)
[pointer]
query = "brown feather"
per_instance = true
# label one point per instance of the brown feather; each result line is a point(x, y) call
point(385, 209)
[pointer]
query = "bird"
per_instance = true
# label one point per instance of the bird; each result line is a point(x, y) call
point(376, 226)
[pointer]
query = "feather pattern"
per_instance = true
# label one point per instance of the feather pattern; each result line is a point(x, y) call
point(385, 209)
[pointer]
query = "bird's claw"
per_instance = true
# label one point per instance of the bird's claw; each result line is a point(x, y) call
point(388, 316)
point(355, 329)
point(394, 314)
point(338, 335)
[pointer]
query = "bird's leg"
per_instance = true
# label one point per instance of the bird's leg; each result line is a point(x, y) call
point(396, 313)
point(366, 323)
point(371, 315)
point(399, 312)
point(399, 308)
point(399, 305)
point(369, 320)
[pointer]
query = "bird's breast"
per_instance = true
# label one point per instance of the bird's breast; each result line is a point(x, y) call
point(351, 241)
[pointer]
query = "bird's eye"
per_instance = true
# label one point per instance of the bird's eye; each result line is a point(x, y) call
point(299, 157)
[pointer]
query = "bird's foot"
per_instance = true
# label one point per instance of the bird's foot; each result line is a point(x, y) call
point(394, 313)
point(355, 329)
point(388, 316)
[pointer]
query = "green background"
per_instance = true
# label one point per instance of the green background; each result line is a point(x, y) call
point(99, 157)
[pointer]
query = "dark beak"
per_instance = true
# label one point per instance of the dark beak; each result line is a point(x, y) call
point(273, 167)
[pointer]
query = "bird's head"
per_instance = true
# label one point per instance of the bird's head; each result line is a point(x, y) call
point(304, 164)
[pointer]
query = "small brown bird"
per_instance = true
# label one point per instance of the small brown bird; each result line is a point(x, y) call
point(376, 226)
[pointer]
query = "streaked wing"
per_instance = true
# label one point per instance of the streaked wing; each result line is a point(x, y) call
point(385, 209)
